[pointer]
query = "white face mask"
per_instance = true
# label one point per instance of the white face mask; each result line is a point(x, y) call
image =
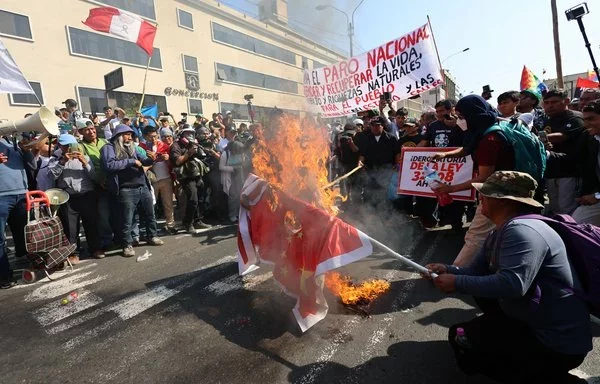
point(462, 123)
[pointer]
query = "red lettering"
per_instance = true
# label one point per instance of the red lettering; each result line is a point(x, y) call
point(414, 165)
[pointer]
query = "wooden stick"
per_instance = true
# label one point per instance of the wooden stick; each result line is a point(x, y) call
point(144, 86)
point(334, 182)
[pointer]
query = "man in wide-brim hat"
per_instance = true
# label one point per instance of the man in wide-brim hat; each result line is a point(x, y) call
point(533, 328)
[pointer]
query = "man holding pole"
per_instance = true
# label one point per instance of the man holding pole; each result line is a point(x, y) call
point(518, 339)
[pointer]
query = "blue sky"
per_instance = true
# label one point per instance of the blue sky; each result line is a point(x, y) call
point(503, 35)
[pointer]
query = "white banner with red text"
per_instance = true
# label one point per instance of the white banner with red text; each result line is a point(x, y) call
point(411, 180)
point(404, 67)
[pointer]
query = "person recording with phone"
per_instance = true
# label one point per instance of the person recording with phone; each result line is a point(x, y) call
point(15, 161)
point(391, 126)
point(74, 173)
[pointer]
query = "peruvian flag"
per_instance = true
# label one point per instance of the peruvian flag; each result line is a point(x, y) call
point(302, 242)
point(123, 24)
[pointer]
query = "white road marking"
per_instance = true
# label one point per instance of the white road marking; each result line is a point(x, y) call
point(182, 236)
point(235, 283)
point(328, 352)
point(141, 301)
point(138, 303)
point(55, 311)
point(89, 334)
point(63, 286)
point(379, 334)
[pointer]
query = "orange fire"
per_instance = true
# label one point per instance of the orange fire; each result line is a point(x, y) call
point(292, 156)
point(350, 293)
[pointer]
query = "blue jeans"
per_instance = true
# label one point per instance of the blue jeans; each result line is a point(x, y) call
point(129, 200)
point(13, 212)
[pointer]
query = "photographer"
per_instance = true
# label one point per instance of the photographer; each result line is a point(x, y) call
point(187, 158)
point(213, 179)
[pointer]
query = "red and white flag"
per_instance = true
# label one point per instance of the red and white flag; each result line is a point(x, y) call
point(123, 24)
point(301, 241)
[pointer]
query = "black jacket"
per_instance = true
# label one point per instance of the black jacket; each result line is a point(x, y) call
point(590, 170)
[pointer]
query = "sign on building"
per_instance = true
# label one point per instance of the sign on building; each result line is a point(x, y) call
point(192, 81)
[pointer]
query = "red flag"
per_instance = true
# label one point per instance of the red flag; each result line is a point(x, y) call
point(301, 241)
point(585, 83)
point(123, 24)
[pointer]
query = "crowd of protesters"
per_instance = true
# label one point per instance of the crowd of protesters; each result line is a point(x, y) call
point(511, 342)
point(122, 173)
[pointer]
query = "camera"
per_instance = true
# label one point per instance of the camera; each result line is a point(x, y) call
point(577, 11)
point(248, 97)
point(184, 117)
point(166, 114)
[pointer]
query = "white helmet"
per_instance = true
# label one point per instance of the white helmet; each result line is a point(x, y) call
point(358, 122)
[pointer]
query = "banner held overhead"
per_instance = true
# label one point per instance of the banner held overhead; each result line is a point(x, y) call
point(404, 67)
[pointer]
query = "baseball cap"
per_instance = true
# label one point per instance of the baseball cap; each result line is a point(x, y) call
point(378, 121)
point(228, 112)
point(83, 123)
point(163, 119)
point(411, 122)
point(358, 122)
point(66, 139)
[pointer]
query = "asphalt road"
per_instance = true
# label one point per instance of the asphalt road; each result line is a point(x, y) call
point(184, 316)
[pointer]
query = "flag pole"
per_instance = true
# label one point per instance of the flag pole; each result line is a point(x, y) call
point(144, 86)
point(436, 49)
point(403, 259)
point(146, 76)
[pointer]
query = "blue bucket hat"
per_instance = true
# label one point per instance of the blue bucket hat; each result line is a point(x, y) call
point(121, 129)
point(66, 139)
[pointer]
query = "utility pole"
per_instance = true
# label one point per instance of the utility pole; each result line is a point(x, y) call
point(557, 56)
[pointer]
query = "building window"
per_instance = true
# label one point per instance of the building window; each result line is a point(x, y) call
point(143, 8)
point(237, 39)
point(316, 64)
point(89, 44)
point(92, 100)
point(185, 19)
point(27, 98)
point(304, 63)
point(195, 106)
point(190, 64)
point(240, 111)
point(246, 77)
point(15, 25)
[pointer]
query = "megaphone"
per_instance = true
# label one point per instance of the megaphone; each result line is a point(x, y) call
point(43, 121)
point(57, 198)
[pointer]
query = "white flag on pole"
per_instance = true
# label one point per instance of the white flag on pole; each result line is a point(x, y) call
point(11, 77)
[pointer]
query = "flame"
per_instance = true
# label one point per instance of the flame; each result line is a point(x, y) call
point(291, 155)
point(350, 293)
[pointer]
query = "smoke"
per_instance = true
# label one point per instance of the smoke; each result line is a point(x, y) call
point(328, 27)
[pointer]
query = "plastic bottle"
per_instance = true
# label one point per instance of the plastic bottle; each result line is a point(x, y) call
point(461, 339)
point(433, 180)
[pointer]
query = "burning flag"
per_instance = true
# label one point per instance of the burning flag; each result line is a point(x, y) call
point(303, 242)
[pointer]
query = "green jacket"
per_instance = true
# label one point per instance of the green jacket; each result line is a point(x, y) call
point(93, 152)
